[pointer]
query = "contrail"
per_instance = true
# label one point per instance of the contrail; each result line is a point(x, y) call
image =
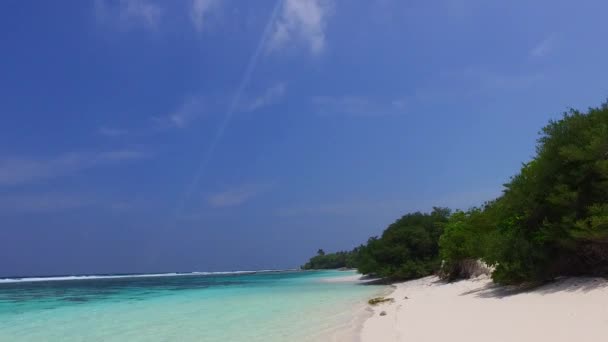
point(228, 116)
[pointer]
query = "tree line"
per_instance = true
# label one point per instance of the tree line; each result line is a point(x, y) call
point(551, 219)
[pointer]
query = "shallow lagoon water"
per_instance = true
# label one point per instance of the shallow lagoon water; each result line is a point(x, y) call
point(266, 306)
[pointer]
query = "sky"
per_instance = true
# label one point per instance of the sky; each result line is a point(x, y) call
point(207, 135)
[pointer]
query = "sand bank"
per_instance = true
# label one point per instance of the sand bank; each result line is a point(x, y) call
point(570, 309)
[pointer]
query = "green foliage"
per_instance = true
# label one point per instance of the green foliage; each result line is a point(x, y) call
point(331, 260)
point(553, 216)
point(557, 206)
point(459, 240)
point(464, 239)
point(407, 249)
point(551, 220)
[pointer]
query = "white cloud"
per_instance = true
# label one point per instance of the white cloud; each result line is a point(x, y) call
point(195, 107)
point(270, 96)
point(200, 10)
point(301, 21)
point(189, 110)
point(128, 13)
point(17, 171)
point(235, 196)
point(111, 131)
point(357, 106)
point(543, 48)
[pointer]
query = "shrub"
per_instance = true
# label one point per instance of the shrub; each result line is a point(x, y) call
point(555, 211)
point(407, 249)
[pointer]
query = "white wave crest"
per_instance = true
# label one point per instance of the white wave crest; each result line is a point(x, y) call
point(150, 275)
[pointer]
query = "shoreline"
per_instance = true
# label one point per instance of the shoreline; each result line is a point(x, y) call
point(294, 306)
point(360, 311)
point(429, 309)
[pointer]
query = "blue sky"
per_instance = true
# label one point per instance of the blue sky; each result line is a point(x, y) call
point(148, 135)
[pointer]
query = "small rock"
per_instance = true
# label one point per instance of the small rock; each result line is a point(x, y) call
point(383, 313)
point(405, 297)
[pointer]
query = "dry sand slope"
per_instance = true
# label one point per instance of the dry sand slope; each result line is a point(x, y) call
point(570, 309)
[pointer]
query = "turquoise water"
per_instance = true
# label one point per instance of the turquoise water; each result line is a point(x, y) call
point(267, 306)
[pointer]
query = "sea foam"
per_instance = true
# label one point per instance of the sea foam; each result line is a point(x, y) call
point(118, 276)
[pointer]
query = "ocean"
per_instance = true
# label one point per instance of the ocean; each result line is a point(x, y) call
point(262, 306)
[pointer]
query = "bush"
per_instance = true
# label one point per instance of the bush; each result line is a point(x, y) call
point(331, 260)
point(464, 241)
point(551, 220)
point(463, 269)
point(558, 204)
point(407, 249)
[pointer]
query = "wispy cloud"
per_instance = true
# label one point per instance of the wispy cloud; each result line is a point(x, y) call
point(358, 106)
point(347, 207)
point(117, 156)
point(52, 202)
point(485, 79)
point(195, 107)
point(271, 96)
point(391, 207)
point(189, 110)
point(111, 131)
point(543, 48)
point(129, 13)
point(199, 11)
point(17, 171)
point(472, 82)
point(236, 196)
point(39, 203)
point(301, 21)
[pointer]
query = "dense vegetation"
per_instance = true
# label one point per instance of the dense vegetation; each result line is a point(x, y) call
point(551, 220)
point(331, 260)
point(408, 248)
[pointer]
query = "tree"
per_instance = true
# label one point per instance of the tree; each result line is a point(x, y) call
point(408, 248)
point(556, 206)
point(331, 260)
point(551, 220)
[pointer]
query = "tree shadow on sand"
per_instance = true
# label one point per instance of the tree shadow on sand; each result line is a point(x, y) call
point(372, 280)
point(565, 284)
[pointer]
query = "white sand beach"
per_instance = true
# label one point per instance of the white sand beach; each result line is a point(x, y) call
point(427, 309)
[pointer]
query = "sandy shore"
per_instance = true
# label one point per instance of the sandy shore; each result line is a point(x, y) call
point(359, 313)
point(571, 309)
